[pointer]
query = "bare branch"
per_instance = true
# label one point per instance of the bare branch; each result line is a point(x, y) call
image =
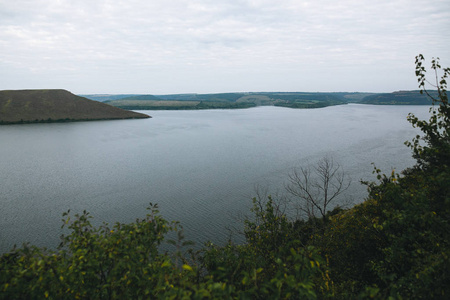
point(315, 189)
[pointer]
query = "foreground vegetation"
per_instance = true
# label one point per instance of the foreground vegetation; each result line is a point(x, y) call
point(394, 245)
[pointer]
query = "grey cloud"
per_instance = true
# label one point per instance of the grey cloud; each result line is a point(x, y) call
point(198, 38)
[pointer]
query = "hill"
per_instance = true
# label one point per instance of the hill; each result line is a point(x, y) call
point(33, 106)
point(234, 100)
point(399, 98)
point(106, 97)
point(251, 99)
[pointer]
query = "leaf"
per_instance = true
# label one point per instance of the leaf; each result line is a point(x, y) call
point(166, 263)
point(188, 267)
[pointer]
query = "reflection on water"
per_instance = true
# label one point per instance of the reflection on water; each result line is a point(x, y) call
point(201, 167)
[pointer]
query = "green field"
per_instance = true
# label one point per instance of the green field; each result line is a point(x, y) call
point(176, 104)
point(251, 99)
point(228, 100)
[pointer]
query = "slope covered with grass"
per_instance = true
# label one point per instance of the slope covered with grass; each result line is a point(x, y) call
point(30, 106)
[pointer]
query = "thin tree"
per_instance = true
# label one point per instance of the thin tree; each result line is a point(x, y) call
point(317, 188)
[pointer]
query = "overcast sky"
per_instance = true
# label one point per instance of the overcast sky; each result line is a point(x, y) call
point(209, 46)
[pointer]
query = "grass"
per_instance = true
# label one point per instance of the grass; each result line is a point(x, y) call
point(31, 106)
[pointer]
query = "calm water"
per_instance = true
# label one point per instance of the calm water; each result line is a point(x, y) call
point(201, 167)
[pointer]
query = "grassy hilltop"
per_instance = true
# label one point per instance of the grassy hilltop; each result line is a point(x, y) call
point(32, 106)
point(399, 98)
point(252, 99)
point(227, 100)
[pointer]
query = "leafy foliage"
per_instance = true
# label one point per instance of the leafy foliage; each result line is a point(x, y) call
point(123, 262)
point(436, 151)
point(92, 262)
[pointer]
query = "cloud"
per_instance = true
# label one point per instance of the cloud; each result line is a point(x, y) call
point(182, 46)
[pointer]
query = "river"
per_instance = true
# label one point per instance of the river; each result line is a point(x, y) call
point(201, 167)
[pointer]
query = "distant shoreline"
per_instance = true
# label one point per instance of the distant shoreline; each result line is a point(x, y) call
point(62, 121)
point(60, 106)
point(245, 100)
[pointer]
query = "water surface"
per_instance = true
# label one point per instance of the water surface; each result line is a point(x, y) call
point(201, 167)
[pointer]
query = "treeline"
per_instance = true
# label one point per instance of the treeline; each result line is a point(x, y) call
point(185, 105)
point(394, 245)
point(229, 100)
point(400, 98)
point(245, 100)
point(307, 104)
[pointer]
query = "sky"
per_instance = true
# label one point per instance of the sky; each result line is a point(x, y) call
point(215, 46)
